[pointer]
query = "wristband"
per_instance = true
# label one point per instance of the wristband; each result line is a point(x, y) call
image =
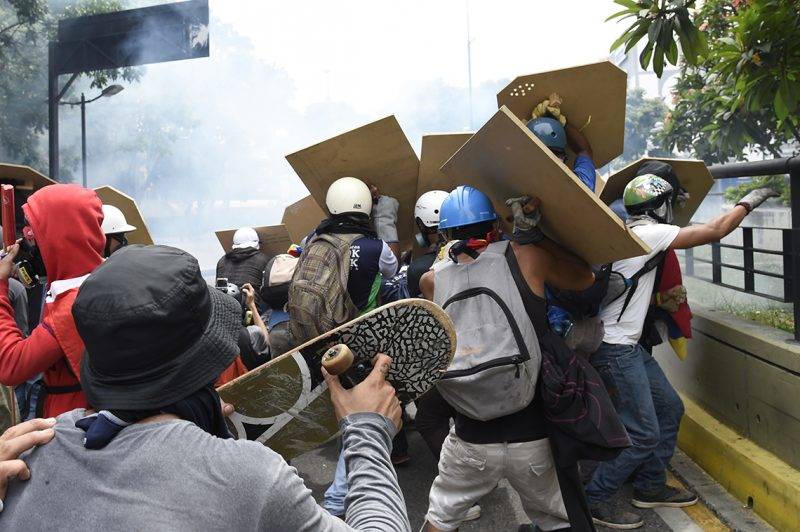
point(746, 206)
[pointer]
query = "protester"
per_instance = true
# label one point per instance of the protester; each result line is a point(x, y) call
point(646, 402)
point(245, 262)
point(65, 220)
point(116, 229)
point(494, 292)
point(275, 294)
point(426, 217)
point(556, 137)
point(318, 300)
point(158, 453)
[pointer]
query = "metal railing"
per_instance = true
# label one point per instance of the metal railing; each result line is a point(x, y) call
point(790, 251)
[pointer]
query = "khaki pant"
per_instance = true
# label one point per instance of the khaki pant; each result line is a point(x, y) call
point(468, 471)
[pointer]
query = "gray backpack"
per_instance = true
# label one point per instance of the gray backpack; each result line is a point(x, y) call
point(496, 364)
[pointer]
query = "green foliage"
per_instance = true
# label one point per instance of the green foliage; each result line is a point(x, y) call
point(743, 92)
point(26, 28)
point(642, 116)
point(778, 183)
point(662, 22)
point(775, 317)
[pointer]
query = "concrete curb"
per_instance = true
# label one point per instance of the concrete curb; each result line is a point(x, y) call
point(754, 476)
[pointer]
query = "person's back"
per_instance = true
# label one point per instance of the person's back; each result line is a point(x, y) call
point(163, 475)
point(244, 263)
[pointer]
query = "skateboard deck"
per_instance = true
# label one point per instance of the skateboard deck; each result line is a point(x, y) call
point(285, 403)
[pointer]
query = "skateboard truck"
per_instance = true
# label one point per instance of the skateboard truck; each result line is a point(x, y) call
point(338, 360)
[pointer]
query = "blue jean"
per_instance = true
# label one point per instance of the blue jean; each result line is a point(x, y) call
point(651, 411)
point(337, 491)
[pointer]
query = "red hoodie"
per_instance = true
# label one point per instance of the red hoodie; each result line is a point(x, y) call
point(66, 222)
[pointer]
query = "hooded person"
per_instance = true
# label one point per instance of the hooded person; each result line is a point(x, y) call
point(65, 221)
point(157, 454)
point(244, 263)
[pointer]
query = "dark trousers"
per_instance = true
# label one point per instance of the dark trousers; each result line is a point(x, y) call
point(433, 419)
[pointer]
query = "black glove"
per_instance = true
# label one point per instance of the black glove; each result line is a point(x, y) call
point(526, 230)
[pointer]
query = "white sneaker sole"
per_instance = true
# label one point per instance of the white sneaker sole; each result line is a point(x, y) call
point(618, 526)
point(645, 504)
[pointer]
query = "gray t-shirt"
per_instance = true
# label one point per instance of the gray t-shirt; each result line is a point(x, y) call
point(171, 475)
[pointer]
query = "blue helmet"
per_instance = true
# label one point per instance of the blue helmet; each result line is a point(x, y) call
point(465, 206)
point(550, 132)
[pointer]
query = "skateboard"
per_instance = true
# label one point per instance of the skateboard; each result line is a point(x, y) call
point(285, 403)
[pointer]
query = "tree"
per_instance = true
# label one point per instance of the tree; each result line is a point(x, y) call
point(738, 89)
point(778, 183)
point(26, 28)
point(642, 118)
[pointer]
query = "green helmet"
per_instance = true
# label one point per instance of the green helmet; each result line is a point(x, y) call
point(649, 195)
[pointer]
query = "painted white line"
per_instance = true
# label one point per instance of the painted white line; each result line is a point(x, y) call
point(678, 520)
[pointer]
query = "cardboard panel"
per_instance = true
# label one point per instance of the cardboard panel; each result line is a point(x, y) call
point(505, 160)
point(275, 239)
point(596, 90)
point(692, 174)
point(111, 196)
point(23, 177)
point(377, 153)
point(436, 150)
point(302, 217)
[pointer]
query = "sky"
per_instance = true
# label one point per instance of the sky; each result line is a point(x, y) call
point(201, 144)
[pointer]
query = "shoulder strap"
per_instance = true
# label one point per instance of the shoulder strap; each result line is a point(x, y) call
point(651, 264)
point(529, 299)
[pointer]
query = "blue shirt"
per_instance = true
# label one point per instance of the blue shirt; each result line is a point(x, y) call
point(585, 170)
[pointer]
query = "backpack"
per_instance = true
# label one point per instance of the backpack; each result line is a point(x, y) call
point(608, 286)
point(496, 365)
point(318, 300)
point(277, 278)
point(395, 288)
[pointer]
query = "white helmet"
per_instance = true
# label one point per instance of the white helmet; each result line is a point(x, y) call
point(427, 208)
point(245, 237)
point(349, 195)
point(114, 221)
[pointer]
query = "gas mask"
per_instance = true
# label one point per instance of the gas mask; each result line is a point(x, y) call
point(30, 265)
point(420, 239)
point(121, 238)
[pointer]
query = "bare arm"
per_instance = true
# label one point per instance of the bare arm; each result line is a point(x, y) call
point(712, 231)
point(250, 294)
point(426, 285)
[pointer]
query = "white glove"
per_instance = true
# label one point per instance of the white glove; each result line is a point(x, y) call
point(756, 197)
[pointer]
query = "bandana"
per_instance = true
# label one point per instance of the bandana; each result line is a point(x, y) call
point(201, 408)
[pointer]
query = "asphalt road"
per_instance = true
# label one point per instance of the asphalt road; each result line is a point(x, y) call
point(501, 509)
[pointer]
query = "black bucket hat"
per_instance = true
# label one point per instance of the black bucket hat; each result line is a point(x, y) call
point(155, 332)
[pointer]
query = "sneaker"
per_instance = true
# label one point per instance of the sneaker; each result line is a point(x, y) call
point(473, 513)
point(667, 496)
point(605, 514)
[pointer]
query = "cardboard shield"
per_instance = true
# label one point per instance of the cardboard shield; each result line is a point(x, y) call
point(378, 153)
point(592, 94)
point(111, 196)
point(275, 239)
point(504, 159)
point(692, 174)
point(302, 217)
point(23, 177)
point(436, 150)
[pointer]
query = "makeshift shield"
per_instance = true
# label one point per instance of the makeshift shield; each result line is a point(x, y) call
point(111, 196)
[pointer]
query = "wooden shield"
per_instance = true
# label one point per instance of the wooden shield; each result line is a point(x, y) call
point(23, 177)
point(378, 153)
point(692, 174)
point(302, 217)
point(504, 159)
point(436, 150)
point(275, 239)
point(111, 196)
point(593, 94)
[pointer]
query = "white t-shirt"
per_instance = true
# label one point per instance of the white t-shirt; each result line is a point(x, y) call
point(629, 328)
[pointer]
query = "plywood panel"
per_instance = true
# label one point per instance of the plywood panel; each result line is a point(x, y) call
point(275, 239)
point(594, 93)
point(302, 217)
point(692, 174)
point(436, 150)
point(111, 196)
point(378, 153)
point(23, 176)
point(504, 159)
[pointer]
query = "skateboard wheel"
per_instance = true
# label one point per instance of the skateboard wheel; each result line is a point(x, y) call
point(337, 359)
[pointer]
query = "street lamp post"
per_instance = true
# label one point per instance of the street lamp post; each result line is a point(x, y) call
point(111, 90)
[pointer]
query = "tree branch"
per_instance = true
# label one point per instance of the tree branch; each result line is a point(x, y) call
point(10, 26)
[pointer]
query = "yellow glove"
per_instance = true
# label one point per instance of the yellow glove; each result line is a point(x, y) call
point(551, 106)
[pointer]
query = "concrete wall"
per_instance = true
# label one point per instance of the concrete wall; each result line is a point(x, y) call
point(745, 375)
